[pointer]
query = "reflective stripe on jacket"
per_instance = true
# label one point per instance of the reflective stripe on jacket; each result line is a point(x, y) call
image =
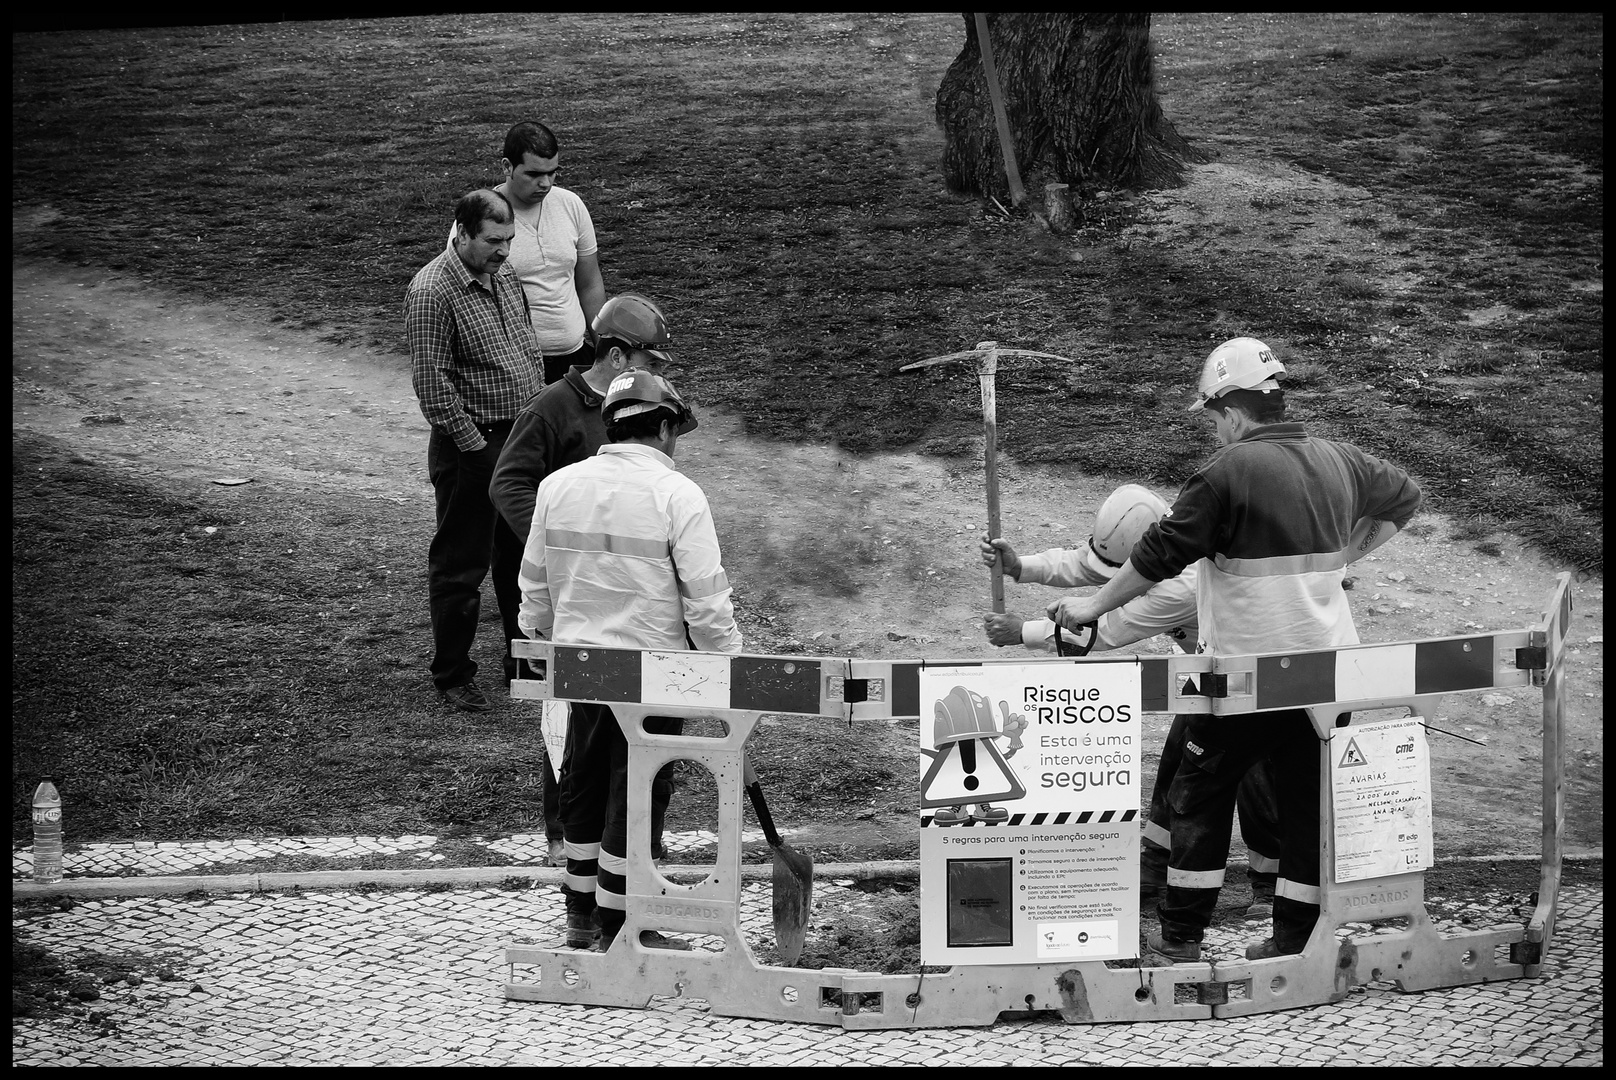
point(1271, 517)
point(623, 553)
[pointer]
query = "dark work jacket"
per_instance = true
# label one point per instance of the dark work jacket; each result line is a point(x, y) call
point(1271, 517)
point(559, 425)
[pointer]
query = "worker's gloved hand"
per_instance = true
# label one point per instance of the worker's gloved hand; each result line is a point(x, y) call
point(995, 548)
point(1003, 629)
point(525, 668)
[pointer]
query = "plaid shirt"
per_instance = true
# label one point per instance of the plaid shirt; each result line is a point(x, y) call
point(473, 357)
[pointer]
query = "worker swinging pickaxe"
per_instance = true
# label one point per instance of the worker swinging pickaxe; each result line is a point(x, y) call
point(986, 354)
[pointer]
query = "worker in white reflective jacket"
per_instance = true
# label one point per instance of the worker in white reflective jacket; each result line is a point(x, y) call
point(621, 553)
point(1167, 609)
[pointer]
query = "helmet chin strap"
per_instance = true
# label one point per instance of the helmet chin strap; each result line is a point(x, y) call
point(1102, 558)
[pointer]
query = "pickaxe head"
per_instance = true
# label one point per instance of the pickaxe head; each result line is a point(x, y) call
point(986, 355)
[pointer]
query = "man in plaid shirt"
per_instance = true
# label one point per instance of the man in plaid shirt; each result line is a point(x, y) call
point(474, 362)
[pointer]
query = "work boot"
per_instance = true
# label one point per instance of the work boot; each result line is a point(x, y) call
point(467, 697)
point(948, 815)
point(1267, 949)
point(1262, 901)
point(1162, 951)
point(653, 940)
point(583, 929)
point(991, 814)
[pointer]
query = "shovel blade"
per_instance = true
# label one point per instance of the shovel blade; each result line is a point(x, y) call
point(793, 899)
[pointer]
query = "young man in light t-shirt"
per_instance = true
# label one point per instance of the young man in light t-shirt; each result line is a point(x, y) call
point(554, 253)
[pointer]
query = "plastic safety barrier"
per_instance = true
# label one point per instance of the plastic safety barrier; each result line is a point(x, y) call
point(739, 690)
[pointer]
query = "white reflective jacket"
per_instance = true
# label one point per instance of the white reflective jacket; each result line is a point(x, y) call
point(1168, 608)
point(623, 553)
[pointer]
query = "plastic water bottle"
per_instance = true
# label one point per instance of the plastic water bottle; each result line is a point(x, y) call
point(47, 833)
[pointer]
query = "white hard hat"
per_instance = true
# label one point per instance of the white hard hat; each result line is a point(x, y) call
point(1242, 363)
point(1122, 519)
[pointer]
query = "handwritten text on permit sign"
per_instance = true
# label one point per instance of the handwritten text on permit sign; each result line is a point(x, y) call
point(1380, 788)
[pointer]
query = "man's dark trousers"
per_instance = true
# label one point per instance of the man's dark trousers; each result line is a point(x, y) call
point(472, 541)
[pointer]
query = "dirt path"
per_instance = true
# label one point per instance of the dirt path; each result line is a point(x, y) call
point(862, 556)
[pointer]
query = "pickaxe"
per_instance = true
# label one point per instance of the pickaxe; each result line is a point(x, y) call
point(987, 354)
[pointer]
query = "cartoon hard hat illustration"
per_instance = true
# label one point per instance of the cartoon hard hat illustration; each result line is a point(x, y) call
point(963, 715)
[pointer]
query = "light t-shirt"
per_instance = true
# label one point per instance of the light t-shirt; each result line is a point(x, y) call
point(545, 260)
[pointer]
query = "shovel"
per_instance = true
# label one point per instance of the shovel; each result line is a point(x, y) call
point(793, 879)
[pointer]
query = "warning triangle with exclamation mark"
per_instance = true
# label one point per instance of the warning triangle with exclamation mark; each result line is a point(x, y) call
point(971, 770)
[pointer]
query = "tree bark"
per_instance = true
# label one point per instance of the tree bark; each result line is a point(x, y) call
point(1080, 92)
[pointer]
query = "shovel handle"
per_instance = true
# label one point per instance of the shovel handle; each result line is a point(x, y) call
point(754, 790)
point(1077, 646)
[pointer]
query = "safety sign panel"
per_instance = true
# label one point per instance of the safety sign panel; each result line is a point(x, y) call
point(1380, 786)
point(1029, 796)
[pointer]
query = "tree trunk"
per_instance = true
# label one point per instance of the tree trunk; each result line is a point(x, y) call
point(1080, 93)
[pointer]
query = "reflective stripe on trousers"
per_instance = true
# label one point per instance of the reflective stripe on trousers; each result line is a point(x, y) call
point(594, 806)
point(1217, 754)
point(1255, 801)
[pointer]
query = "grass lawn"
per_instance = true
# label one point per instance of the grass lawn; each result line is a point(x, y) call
point(773, 180)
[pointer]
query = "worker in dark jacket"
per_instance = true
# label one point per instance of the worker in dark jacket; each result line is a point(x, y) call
point(561, 425)
point(1274, 517)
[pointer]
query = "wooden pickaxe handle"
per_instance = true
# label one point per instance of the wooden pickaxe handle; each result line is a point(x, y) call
point(990, 430)
point(987, 354)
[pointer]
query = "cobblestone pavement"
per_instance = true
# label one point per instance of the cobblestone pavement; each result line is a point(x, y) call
point(416, 977)
point(194, 856)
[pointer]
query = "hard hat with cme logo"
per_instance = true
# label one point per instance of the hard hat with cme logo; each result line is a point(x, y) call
point(639, 391)
point(632, 318)
point(1242, 363)
point(963, 715)
point(1123, 518)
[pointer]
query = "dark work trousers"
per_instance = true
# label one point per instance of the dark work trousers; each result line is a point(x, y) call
point(594, 809)
point(556, 366)
point(1255, 801)
point(472, 541)
point(1218, 752)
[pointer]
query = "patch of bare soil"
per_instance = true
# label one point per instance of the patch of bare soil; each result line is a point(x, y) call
point(832, 554)
point(44, 984)
point(875, 925)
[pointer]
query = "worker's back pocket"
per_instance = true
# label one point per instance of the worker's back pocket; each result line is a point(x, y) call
point(1199, 778)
